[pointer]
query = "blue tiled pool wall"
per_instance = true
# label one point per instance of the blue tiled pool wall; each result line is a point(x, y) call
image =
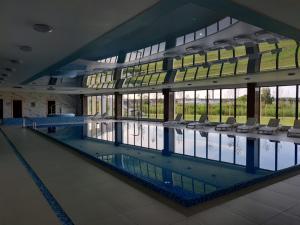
point(43, 120)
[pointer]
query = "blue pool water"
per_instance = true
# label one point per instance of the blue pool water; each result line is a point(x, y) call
point(186, 165)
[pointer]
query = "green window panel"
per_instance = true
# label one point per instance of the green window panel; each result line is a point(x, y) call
point(104, 85)
point(146, 80)
point(201, 73)
point(132, 81)
point(268, 62)
point(98, 78)
point(137, 70)
point(287, 57)
point(159, 66)
point(212, 56)
point(139, 81)
point(111, 84)
point(130, 71)
point(240, 51)
point(88, 81)
point(103, 77)
point(154, 78)
point(228, 69)
point(215, 70)
point(161, 78)
point(93, 80)
point(179, 75)
point(226, 54)
point(242, 66)
point(188, 60)
point(144, 69)
point(177, 63)
point(190, 73)
point(109, 76)
point(151, 68)
point(124, 73)
point(265, 46)
point(199, 59)
point(99, 85)
point(125, 83)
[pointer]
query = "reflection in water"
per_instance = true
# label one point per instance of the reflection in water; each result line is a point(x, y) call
point(173, 181)
point(269, 155)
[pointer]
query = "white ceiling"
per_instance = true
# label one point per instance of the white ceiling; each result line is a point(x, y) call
point(75, 23)
point(286, 11)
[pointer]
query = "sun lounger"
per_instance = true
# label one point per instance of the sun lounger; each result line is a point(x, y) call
point(230, 123)
point(202, 122)
point(250, 125)
point(271, 128)
point(295, 130)
point(178, 120)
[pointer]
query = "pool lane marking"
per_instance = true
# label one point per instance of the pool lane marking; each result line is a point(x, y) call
point(57, 209)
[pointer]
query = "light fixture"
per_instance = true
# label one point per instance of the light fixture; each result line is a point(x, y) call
point(25, 48)
point(291, 74)
point(4, 74)
point(247, 78)
point(16, 61)
point(215, 81)
point(8, 69)
point(42, 28)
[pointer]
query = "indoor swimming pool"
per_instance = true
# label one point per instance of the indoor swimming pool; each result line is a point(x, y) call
point(189, 166)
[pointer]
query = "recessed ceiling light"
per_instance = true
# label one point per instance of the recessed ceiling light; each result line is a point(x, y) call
point(1, 78)
point(215, 81)
point(42, 28)
point(25, 48)
point(4, 74)
point(17, 87)
point(189, 84)
point(16, 61)
point(247, 78)
point(291, 74)
point(99, 61)
point(8, 69)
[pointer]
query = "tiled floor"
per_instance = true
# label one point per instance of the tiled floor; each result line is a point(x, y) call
point(90, 194)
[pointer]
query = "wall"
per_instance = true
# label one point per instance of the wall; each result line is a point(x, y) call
point(36, 104)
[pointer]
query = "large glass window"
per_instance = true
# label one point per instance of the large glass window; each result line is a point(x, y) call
point(286, 104)
point(188, 60)
point(267, 104)
point(178, 98)
point(177, 63)
point(201, 97)
point(189, 105)
point(268, 58)
point(287, 57)
point(242, 66)
point(131, 105)
point(215, 70)
point(152, 106)
point(145, 105)
point(228, 69)
point(125, 105)
point(137, 106)
point(227, 104)
point(241, 105)
point(214, 105)
point(212, 55)
point(160, 106)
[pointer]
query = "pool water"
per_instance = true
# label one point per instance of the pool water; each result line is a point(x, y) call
point(186, 165)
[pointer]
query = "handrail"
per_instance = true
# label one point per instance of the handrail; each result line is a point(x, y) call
point(29, 119)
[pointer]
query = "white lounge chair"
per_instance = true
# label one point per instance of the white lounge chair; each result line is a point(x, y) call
point(250, 125)
point(178, 120)
point(99, 116)
point(230, 123)
point(202, 122)
point(295, 130)
point(271, 128)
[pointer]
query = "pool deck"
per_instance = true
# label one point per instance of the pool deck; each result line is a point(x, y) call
point(91, 194)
